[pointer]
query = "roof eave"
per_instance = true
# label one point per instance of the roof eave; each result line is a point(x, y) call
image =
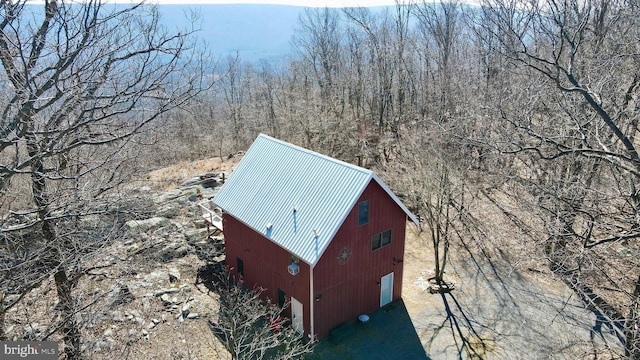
point(393, 196)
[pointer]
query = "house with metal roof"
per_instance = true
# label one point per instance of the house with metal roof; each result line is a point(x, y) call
point(325, 236)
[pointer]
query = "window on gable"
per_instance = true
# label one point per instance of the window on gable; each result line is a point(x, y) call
point(380, 240)
point(363, 212)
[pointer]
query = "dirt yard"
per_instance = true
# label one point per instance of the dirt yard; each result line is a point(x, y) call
point(498, 311)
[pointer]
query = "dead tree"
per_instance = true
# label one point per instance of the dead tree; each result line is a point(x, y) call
point(251, 328)
point(81, 80)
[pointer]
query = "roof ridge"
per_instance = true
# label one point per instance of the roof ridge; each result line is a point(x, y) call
point(317, 154)
point(275, 175)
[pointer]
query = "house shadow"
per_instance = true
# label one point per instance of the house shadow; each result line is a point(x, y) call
point(209, 275)
point(389, 334)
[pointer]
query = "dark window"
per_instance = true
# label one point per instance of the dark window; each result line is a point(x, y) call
point(386, 238)
point(363, 212)
point(240, 266)
point(375, 241)
point(282, 298)
point(380, 240)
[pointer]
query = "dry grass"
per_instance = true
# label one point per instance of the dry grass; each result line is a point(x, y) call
point(170, 177)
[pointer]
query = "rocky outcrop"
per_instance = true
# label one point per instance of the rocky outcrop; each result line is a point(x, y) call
point(146, 302)
point(141, 286)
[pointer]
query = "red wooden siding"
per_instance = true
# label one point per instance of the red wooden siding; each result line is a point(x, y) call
point(265, 265)
point(354, 288)
point(344, 291)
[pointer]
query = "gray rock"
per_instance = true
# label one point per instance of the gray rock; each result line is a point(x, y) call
point(193, 316)
point(147, 224)
point(209, 193)
point(10, 299)
point(132, 314)
point(174, 251)
point(146, 304)
point(133, 248)
point(169, 210)
point(190, 182)
point(180, 196)
point(123, 296)
point(134, 335)
point(108, 343)
point(170, 229)
point(174, 275)
point(165, 300)
point(169, 195)
point(186, 309)
point(117, 316)
point(160, 292)
point(193, 235)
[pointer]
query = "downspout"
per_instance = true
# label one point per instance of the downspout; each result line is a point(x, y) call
point(311, 298)
point(311, 301)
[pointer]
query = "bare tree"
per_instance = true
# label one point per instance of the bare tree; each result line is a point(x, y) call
point(578, 134)
point(253, 329)
point(237, 87)
point(80, 81)
point(440, 26)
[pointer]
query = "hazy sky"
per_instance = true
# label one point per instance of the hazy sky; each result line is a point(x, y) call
point(312, 3)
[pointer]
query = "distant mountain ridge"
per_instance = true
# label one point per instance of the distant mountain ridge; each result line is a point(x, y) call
point(253, 31)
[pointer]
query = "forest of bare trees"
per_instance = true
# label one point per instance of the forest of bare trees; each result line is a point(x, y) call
point(526, 102)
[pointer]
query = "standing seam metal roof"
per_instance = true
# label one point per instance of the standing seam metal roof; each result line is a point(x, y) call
point(274, 177)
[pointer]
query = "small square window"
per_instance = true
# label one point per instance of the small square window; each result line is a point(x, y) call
point(363, 212)
point(380, 240)
point(386, 238)
point(376, 241)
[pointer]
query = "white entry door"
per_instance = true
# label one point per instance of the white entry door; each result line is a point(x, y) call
point(297, 316)
point(386, 289)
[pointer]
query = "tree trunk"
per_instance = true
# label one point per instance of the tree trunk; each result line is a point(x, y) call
point(70, 331)
point(64, 287)
point(3, 335)
point(632, 343)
